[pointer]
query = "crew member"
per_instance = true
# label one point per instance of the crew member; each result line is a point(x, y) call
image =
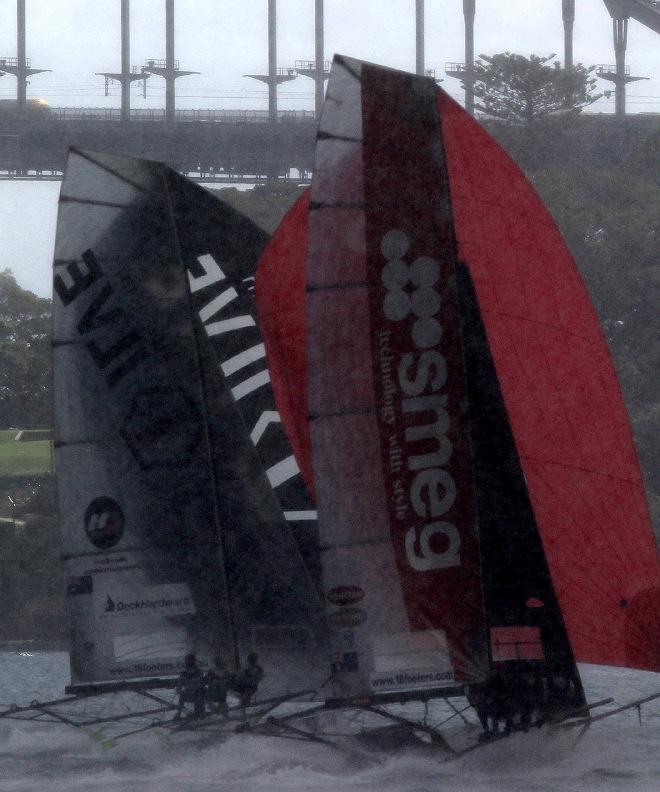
point(190, 687)
point(247, 681)
point(218, 680)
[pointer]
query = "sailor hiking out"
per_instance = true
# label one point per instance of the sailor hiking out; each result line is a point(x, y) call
point(218, 680)
point(247, 681)
point(190, 687)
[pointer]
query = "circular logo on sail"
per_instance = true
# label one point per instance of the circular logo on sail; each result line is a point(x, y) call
point(104, 522)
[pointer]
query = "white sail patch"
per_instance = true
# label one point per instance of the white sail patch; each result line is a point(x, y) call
point(266, 418)
point(411, 660)
point(217, 304)
point(212, 273)
point(251, 384)
point(309, 515)
point(227, 325)
point(243, 359)
point(282, 471)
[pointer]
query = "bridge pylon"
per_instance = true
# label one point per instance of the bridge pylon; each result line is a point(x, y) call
point(276, 76)
point(127, 75)
point(317, 69)
point(465, 71)
point(168, 68)
point(20, 66)
point(619, 73)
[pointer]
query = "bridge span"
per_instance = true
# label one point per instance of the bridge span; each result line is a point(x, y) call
point(209, 145)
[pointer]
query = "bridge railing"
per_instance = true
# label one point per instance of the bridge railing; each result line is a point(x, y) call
point(609, 68)
point(214, 115)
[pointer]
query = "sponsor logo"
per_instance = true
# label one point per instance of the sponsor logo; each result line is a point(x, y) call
point(413, 390)
point(348, 617)
point(416, 678)
point(172, 599)
point(104, 522)
point(345, 595)
point(142, 669)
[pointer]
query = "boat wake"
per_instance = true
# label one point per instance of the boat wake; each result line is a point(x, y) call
point(609, 755)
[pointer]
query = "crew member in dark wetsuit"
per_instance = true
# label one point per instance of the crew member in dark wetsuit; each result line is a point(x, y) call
point(501, 691)
point(562, 696)
point(190, 687)
point(218, 680)
point(247, 681)
point(480, 698)
point(528, 698)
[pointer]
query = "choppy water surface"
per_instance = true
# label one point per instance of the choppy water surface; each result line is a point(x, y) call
point(613, 755)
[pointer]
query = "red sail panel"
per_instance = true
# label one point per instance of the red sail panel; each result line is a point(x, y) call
point(419, 376)
point(280, 290)
point(563, 401)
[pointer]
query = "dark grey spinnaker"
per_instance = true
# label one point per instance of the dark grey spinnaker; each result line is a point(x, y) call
point(173, 539)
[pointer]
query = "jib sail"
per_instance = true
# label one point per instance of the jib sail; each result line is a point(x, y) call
point(172, 537)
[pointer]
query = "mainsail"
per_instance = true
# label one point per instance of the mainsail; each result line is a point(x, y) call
point(173, 538)
point(418, 220)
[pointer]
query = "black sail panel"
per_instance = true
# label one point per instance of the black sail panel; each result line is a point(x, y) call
point(528, 638)
point(220, 248)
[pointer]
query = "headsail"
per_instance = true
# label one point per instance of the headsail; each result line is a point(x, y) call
point(173, 538)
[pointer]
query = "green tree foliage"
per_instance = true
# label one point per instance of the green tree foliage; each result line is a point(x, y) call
point(519, 90)
point(266, 205)
point(611, 221)
point(25, 369)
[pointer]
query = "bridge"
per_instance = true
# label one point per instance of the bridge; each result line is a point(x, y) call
point(645, 11)
point(207, 145)
point(230, 145)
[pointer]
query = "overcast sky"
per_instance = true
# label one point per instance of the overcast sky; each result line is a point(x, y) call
point(225, 39)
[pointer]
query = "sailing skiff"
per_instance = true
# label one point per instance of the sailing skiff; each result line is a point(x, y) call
point(419, 366)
